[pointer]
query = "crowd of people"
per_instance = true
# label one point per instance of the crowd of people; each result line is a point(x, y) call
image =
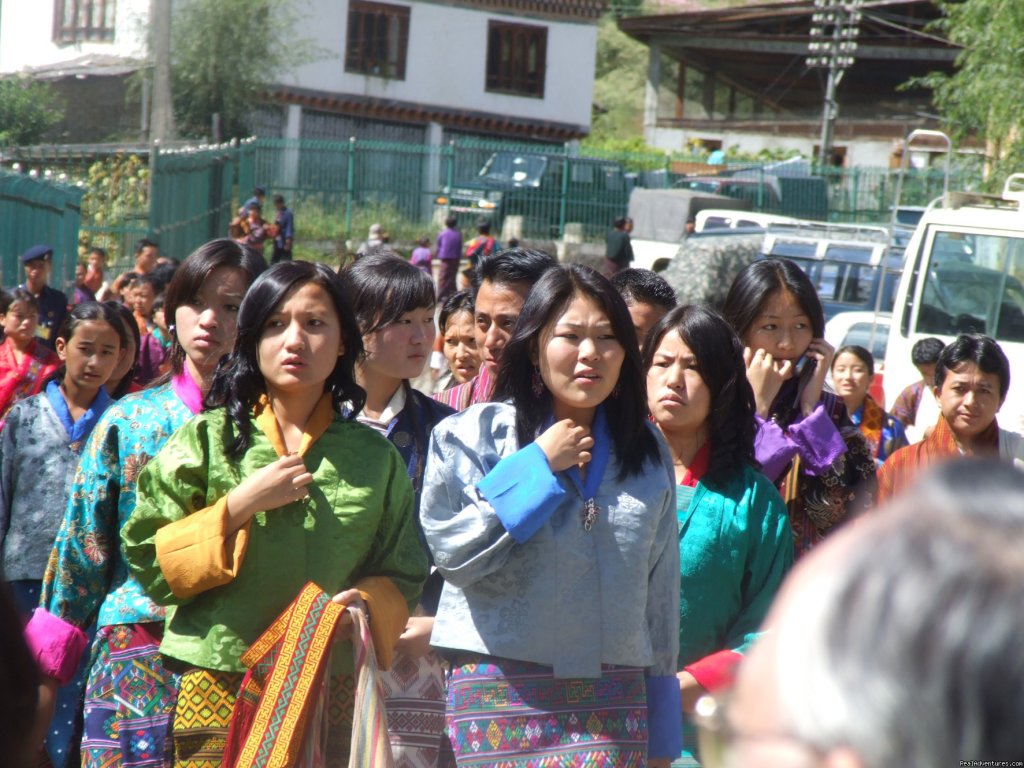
point(570, 545)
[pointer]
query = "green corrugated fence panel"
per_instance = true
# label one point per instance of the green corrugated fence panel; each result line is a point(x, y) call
point(33, 212)
point(191, 199)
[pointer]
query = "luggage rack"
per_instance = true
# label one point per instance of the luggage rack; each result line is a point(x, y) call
point(818, 230)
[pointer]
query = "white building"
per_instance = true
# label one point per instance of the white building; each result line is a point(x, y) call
point(405, 69)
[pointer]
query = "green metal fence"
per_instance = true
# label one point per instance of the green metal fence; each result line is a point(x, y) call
point(33, 212)
point(192, 196)
point(187, 195)
point(410, 187)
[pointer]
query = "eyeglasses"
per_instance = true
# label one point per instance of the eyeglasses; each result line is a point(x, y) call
point(718, 740)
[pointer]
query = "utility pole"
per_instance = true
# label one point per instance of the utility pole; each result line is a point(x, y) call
point(834, 29)
point(162, 121)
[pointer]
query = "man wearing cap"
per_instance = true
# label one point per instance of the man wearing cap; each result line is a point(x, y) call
point(259, 194)
point(53, 305)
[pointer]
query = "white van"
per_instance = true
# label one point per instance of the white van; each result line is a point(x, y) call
point(964, 273)
point(719, 218)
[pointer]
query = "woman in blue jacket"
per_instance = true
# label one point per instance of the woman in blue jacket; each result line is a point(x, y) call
point(551, 515)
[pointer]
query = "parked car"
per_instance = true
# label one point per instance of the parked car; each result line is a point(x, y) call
point(792, 193)
point(864, 329)
point(852, 266)
point(534, 185)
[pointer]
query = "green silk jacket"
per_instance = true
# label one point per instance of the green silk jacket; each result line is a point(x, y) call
point(357, 522)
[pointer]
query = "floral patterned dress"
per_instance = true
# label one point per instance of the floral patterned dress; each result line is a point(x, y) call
point(129, 694)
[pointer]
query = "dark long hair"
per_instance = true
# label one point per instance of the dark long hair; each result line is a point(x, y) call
point(131, 328)
point(758, 281)
point(719, 354)
point(383, 287)
point(189, 278)
point(238, 382)
point(627, 420)
point(85, 312)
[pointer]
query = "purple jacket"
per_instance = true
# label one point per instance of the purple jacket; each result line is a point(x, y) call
point(449, 245)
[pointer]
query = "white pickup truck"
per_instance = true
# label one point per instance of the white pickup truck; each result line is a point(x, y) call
point(964, 272)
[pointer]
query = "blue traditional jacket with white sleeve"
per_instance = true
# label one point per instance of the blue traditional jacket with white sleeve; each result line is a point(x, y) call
point(527, 578)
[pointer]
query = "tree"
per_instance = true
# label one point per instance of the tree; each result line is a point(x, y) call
point(619, 77)
point(225, 53)
point(983, 97)
point(28, 109)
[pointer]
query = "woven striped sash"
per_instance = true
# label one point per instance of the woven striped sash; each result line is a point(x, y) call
point(278, 720)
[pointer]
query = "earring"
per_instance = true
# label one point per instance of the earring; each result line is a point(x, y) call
point(536, 382)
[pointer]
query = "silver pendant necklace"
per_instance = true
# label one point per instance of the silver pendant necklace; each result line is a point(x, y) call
point(590, 511)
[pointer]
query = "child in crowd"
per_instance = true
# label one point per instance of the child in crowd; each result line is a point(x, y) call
point(151, 351)
point(853, 370)
point(82, 291)
point(40, 446)
point(421, 256)
point(96, 265)
point(915, 407)
point(25, 364)
point(122, 380)
point(160, 332)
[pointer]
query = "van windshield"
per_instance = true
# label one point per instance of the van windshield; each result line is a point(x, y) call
point(521, 170)
point(973, 285)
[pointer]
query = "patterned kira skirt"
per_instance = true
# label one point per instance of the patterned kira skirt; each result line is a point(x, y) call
point(129, 699)
point(515, 714)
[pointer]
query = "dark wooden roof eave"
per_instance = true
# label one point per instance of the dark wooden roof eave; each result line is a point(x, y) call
point(560, 10)
point(645, 26)
point(421, 114)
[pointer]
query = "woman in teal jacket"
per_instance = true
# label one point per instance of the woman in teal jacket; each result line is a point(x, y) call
point(735, 544)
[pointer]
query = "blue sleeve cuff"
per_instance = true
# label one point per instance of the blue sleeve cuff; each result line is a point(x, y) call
point(664, 717)
point(523, 491)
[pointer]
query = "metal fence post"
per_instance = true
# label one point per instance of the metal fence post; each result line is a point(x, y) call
point(855, 194)
point(155, 189)
point(451, 166)
point(350, 185)
point(563, 204)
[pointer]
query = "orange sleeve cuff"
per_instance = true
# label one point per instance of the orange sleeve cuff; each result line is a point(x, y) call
point(389, 615)
point(197, 553)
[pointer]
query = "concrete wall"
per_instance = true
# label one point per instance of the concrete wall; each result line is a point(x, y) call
point(873, 152)
point(446, 60)
point(26, 34)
